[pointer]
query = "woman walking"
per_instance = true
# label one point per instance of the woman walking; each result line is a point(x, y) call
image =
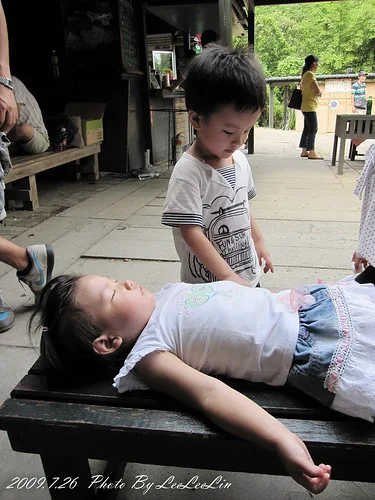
point(310, 93)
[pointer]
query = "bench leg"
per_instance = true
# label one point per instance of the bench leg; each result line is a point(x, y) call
point(24, 190)
point(114, 471)
point(90, 167)
point(340, 168)
point(68, 477)
point(334, 151)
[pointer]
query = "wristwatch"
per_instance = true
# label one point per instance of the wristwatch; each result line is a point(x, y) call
point(7, 82)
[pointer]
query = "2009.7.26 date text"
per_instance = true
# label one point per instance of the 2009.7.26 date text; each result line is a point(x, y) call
point(58, 483)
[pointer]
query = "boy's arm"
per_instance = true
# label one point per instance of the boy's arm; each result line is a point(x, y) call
point(260, 246)
point(207, 254)
point(8, 106)
point(233, 412)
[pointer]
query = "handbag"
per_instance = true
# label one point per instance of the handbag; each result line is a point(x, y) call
point(295, 99)
point(360, 103)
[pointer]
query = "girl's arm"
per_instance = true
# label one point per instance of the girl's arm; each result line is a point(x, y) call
point(260, 246)
point(207, 254)
point(233, 412)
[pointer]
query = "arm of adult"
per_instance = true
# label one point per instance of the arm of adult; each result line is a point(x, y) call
point(205, 252)
point(8, 106)
point(260, 247)
point(359, 263)
point(234, 413)
point(315, 87)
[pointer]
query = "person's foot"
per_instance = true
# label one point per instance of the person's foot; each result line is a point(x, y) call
point(314, 156)
point(304, 154)
point(41, 258)
point(6, 316)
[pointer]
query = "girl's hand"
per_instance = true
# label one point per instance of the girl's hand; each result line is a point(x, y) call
point(264, 255)
point(298, 462)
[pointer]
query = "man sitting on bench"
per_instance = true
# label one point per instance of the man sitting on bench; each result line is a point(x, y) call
point(29, 134)
point(33, 264)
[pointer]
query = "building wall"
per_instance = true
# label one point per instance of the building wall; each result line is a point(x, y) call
point(335, 100)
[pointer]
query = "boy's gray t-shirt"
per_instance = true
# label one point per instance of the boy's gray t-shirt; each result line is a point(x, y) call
point(200, 195)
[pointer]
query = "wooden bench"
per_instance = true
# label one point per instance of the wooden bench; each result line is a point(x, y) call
point(25, 167)
point(66, 425)
point(351, 127)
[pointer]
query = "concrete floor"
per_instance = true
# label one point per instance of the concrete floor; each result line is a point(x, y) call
point(309, 217)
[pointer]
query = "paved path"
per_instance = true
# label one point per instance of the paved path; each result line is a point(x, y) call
point(310, 221)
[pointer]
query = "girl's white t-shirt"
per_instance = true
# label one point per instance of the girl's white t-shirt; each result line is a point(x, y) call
point(219, 328)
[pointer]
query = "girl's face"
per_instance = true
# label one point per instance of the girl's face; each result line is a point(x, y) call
point(223, 132)
point(314, 67)
point(121, 308)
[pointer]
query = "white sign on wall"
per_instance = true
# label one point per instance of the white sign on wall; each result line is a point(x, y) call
point(334, 104)
point(338, 86)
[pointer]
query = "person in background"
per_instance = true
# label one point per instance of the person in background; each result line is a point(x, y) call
point(34, 264)
point(359, 103)
point(364, 257)
point(310, 94)
point(29, 134)
point(358, 94)
point(208, 36)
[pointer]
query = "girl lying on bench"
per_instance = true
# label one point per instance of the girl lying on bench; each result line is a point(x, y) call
point(319, 338)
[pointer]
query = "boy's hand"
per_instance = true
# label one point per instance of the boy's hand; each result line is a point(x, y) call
point(264, 255)
point(298, 462)
point(237, 279)
point(359, 263)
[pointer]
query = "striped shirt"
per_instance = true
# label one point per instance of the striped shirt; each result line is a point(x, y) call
point(229, 174)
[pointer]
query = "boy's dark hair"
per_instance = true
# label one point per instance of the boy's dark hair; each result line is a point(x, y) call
point(221, 76)
point(68, 333)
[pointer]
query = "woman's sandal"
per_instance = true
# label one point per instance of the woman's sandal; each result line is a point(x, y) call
point(314, 157)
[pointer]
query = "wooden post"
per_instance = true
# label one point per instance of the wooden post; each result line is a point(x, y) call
point(285, 110)
point(225, 22)
point(270, 111)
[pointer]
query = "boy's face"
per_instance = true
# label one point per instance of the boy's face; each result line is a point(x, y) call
point(223, 132)
point(122, 308)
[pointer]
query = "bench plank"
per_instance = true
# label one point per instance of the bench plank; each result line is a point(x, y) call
point(182, 438)
point(22, 176)
point(277, 401)
point(26, 165)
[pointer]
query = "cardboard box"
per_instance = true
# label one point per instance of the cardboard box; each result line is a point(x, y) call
point(91, 114)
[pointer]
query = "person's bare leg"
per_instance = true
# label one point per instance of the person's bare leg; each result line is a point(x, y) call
point(21, 133)
point(13, 255)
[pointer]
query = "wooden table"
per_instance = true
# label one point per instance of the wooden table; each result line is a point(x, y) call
point(351, 127)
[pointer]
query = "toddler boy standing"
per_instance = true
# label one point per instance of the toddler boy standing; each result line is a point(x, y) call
point(207, 203)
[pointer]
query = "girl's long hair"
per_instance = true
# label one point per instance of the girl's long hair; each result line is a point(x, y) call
point(66, 344)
